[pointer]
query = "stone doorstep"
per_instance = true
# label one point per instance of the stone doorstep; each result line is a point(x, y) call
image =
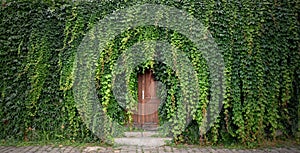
point(143, 141)
point(144, 138)
point(146, 125)
point(141, 134)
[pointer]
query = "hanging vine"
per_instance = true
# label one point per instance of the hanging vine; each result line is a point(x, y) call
point(258, 40)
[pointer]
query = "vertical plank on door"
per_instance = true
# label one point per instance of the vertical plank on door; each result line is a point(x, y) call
point(148, 102)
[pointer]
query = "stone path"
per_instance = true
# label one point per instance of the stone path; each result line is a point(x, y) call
point(140, 142)
point(138, 149)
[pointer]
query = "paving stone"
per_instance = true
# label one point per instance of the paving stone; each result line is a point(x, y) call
point(295, 150)
point(8, 149)
point(283, 150)
point(54, 150)
point(2, 149)
point(48, 149)
point(160, 150)
point(24, 149)
point(44, 149)
point(129, 149)
point(63, 150)
point(75, 150)
point(17, 150)
point(204, 150)
point(168, 149)
point(136, 150)
point(33, 149)
point(247, 151)
point(67, 149)
point(271, 151)
point(146, 150)
point(194, 150)
point(258, 151)
point(177, 151)
point(93, 149)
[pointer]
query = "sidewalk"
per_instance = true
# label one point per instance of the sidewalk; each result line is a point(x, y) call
point(137, 149)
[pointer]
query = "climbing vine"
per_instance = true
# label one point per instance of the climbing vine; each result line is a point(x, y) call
point(259, 42)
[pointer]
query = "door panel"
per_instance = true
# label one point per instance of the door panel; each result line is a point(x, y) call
point(148, 102)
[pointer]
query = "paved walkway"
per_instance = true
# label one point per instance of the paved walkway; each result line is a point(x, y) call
point(139, 142)
point(137, 149)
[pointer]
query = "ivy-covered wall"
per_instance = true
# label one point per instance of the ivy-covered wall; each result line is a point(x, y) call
point(259, 41)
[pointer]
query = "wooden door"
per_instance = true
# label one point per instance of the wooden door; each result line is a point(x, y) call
point(148, 102)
